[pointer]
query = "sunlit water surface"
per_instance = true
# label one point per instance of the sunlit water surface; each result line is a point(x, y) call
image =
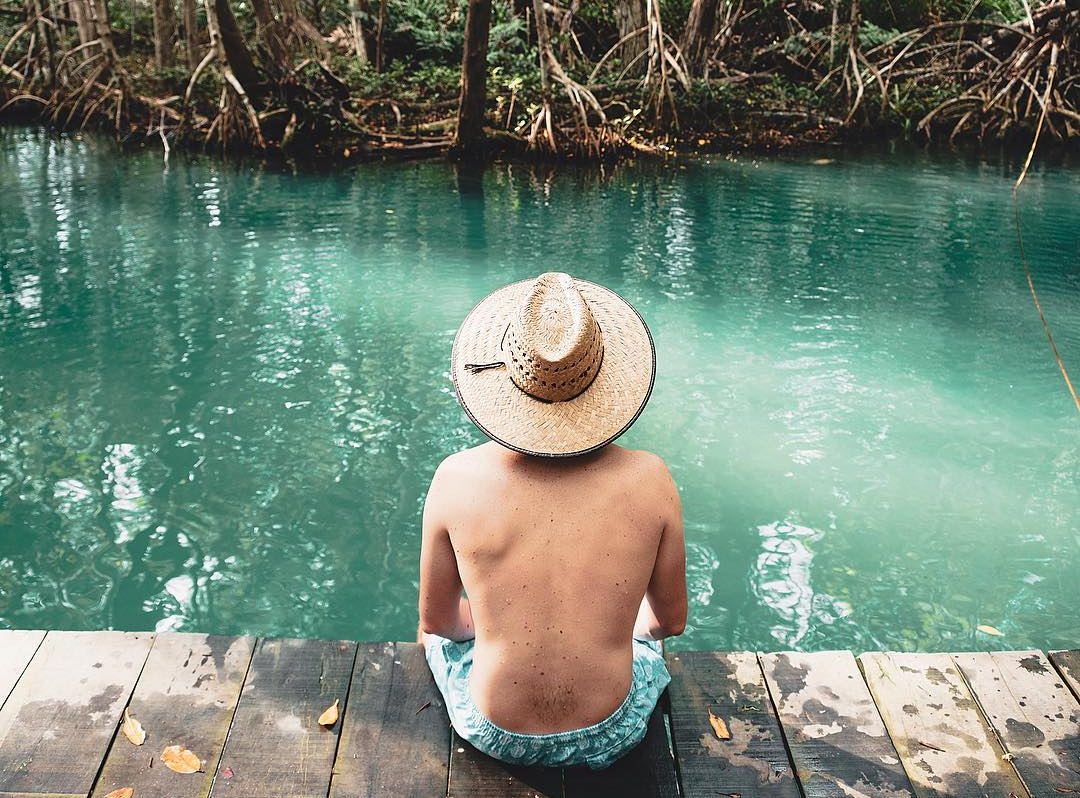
point(223, 389)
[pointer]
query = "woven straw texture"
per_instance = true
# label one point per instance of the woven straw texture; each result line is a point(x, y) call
point(590, 420)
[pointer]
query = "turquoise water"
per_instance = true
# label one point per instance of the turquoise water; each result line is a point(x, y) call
point(223, 389)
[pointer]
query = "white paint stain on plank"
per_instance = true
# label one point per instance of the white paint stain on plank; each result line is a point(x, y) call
point(1034, 714)
point(944, 743)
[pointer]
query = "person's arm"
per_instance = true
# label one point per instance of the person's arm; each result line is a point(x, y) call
point(664, 608)
point(444, 611)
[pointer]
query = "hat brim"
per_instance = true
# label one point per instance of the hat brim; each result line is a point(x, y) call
point(594, 418)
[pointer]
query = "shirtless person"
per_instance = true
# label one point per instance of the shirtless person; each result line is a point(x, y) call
point(569, 547)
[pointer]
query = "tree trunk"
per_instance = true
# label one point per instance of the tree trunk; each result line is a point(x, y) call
point(357, 10)
point(295, 21)
point(164, 34)
point(46, 39)
point(543, 45)
point(99, 16)
point(219, 15)
point(79, 10)
point(700, 27)
point(473, 98)
point(629, 17)
point(191, 34)
point(378, 36)
point(237, 67)
point(272, 34)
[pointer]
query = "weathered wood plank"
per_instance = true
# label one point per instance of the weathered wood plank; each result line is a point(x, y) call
point(16, 648)
point(648, 771)
point(1035, 716)
point(276, 747)
point(753, 762)
point(1068, 665)
point(186, 696)
point(476, 775)
point(945, 744)
point(57, 723)
point(395, 738)
point(833, 730)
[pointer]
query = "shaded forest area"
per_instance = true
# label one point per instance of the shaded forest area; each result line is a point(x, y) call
point(563, 78)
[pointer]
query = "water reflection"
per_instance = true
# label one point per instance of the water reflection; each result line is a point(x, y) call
point(223, 390)
point(782, 581)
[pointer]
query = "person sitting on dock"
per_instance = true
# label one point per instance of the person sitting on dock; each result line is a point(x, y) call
point(569, 548)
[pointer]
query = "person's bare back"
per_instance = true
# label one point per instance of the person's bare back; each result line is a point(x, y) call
point(556, 556)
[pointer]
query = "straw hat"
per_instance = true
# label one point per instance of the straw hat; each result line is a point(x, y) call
point(553, 366)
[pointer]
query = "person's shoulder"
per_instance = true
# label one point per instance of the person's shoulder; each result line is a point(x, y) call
point(646, 464)
point(652, 483)
point(467, 461)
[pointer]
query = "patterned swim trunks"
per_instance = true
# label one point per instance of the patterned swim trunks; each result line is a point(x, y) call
point(597, 746)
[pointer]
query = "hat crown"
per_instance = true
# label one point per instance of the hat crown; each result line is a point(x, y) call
point(554, 341)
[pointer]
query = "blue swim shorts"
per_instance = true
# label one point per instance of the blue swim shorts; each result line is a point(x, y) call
point(597, 746)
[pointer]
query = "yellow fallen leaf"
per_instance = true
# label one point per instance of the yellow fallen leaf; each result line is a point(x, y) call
point(180, 760)
point(823, 161)
point(133, 730)
point(330, 716)
point(719, 727)
point(123, 792)
point(986, 629)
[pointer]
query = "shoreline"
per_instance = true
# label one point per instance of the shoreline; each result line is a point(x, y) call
point(669, 151)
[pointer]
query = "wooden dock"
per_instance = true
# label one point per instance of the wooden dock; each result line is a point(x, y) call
point(739, 725)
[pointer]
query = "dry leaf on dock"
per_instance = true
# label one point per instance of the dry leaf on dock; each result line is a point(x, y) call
point(987, 629)
point(330, 716)
point(123, 792)
point(180, 760)
point(133, 730)
point(719, 727)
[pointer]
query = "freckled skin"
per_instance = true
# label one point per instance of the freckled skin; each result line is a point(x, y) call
point(564, 561)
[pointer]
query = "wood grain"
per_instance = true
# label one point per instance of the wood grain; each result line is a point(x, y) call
point(834, 732)
point(58, 721)
point(730, 686)
point(17, 647)
point(396, 736)
point(945, 744)
point(186, 696)
point(276, 747)
point(476, 775)
point(1036, 717)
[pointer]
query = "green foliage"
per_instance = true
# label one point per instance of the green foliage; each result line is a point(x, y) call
point(509, 50)
point(132, 16)
point(891, 14)
point(400, 79)
point(673, 14)
point(908, 14)
point(425, 29)
point(910, 101)
point(870, 35)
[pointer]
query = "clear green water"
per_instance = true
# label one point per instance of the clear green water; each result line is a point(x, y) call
point(223, 389)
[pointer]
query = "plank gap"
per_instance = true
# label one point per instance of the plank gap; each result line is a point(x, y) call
point(16, 657)
point(120, 720)
point(1067, 664)
point(232, 715)
point(988, 722)
point(783, 732)
point(341, 720)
